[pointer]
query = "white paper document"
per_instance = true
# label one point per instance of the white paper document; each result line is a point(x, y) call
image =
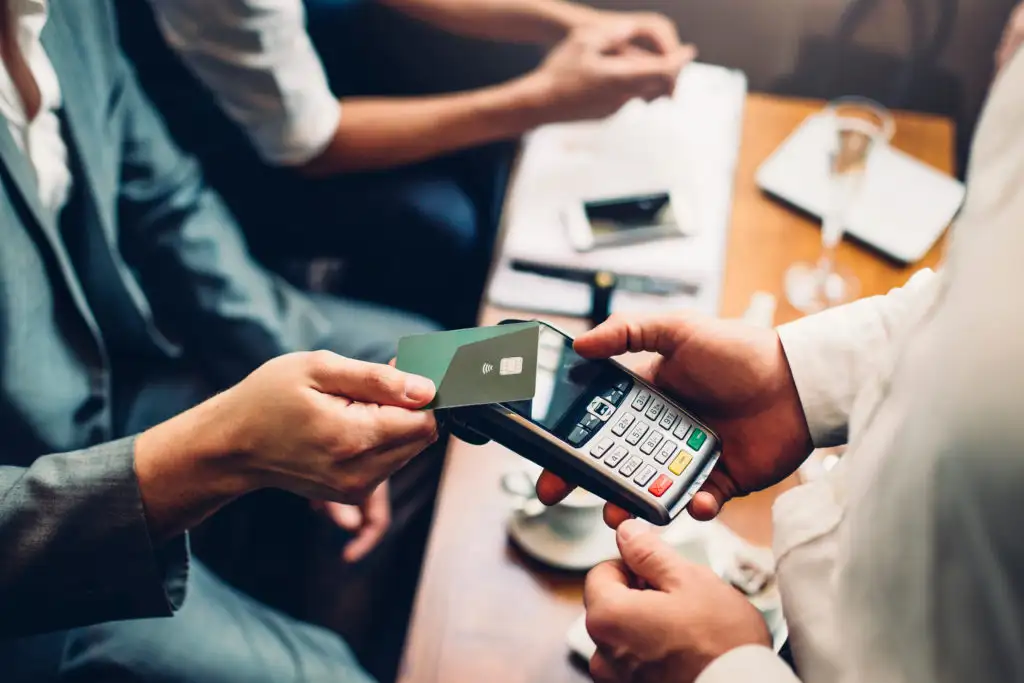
point(687, 145)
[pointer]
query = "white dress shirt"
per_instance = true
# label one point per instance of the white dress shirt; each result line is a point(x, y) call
point(257, 59)
point(40, 139)
point(905, 564)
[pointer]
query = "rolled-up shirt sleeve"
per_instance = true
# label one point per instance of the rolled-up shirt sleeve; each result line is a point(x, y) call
point(747, 664)
point(832, 353)
point(76, 546)
point(260, 64)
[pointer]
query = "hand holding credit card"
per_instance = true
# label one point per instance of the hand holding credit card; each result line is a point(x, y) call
point(475, 366)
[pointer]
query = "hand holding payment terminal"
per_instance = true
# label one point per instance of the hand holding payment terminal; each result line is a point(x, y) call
point(596, 424)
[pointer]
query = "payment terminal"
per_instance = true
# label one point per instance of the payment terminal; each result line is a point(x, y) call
point(598, 425)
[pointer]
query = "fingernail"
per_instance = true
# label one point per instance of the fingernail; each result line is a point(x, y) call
point(632, 528)
point(419, 389)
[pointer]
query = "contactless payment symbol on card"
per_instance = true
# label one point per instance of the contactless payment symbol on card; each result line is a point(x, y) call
point(475, 366)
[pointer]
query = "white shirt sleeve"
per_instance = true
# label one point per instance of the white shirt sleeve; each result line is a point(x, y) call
point(257, 58)
point(833, 352)
point(745, 664)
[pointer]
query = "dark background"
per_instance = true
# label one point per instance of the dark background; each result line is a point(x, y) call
point(926, 55)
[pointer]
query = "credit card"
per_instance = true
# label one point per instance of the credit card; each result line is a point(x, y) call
point(475, 366)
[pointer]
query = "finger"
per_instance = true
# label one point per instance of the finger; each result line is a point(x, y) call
point(684, 55)
point(647, 556)
point(1007, 50)
point(368, 382)
point(361, 544)
point(704, 506)
point(638, 68)
point(376, 465)
point(389, 437)
point(381, 427)
point(715, 493)
point(665, 36)
point(620, 334)
point(376, 520)
point(656, 38)
point(348, 517)
point(614, 515)
point(552, 489)
point(654, 89)
point(608, 39)
point(601, 669)
point(395, 451)
point(607, 581)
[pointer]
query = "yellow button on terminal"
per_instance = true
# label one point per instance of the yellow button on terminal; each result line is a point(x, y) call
point(680, 463)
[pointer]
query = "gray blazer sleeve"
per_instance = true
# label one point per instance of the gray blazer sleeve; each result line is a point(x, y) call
point(76, 544)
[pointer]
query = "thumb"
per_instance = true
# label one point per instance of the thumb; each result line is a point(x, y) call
point(607, 40)
point(620, 334)
point(368, 382)
point(638, 66)
point(648, 556)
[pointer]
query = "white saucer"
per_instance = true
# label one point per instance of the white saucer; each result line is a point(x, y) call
point(535, 538)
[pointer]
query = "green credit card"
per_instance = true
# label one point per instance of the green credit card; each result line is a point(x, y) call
point(475, 366)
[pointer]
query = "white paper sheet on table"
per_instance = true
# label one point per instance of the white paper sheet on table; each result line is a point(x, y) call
point(688, 144)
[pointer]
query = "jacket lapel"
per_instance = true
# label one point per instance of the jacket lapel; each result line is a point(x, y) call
point(82, 107)
point(24, 179)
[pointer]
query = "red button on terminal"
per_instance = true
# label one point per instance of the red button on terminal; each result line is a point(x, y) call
point(660, 485)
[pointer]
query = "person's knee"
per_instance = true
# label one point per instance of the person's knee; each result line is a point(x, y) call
point(156, 651)
point(218, 636)
point(167, 651)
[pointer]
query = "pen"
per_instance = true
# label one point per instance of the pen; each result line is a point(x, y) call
point(642, 284)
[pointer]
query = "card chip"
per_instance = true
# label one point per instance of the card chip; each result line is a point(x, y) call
point(511, 366)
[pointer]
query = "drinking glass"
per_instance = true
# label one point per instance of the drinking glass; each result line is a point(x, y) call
point(856, 126)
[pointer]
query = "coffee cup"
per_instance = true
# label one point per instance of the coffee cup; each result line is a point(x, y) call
point(575, 518)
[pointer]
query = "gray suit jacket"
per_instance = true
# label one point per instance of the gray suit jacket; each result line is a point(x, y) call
point(167, 265)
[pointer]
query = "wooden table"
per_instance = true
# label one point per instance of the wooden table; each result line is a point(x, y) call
point(485, 612)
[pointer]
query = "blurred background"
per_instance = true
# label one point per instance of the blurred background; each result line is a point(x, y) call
point(926, 55)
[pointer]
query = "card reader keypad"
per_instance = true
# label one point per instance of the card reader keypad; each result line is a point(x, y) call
point(643, 439)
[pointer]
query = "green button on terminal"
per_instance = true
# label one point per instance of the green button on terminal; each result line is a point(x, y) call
point(697, 439)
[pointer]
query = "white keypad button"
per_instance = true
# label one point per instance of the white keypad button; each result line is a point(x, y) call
point(654, 412)
point(667, 450)
point(616, 456)
point(631, 466)
point(652, 442)
point(601, 447)
point(638, 433)
point(641, 400)
point(623, 424)
point(646, 474)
